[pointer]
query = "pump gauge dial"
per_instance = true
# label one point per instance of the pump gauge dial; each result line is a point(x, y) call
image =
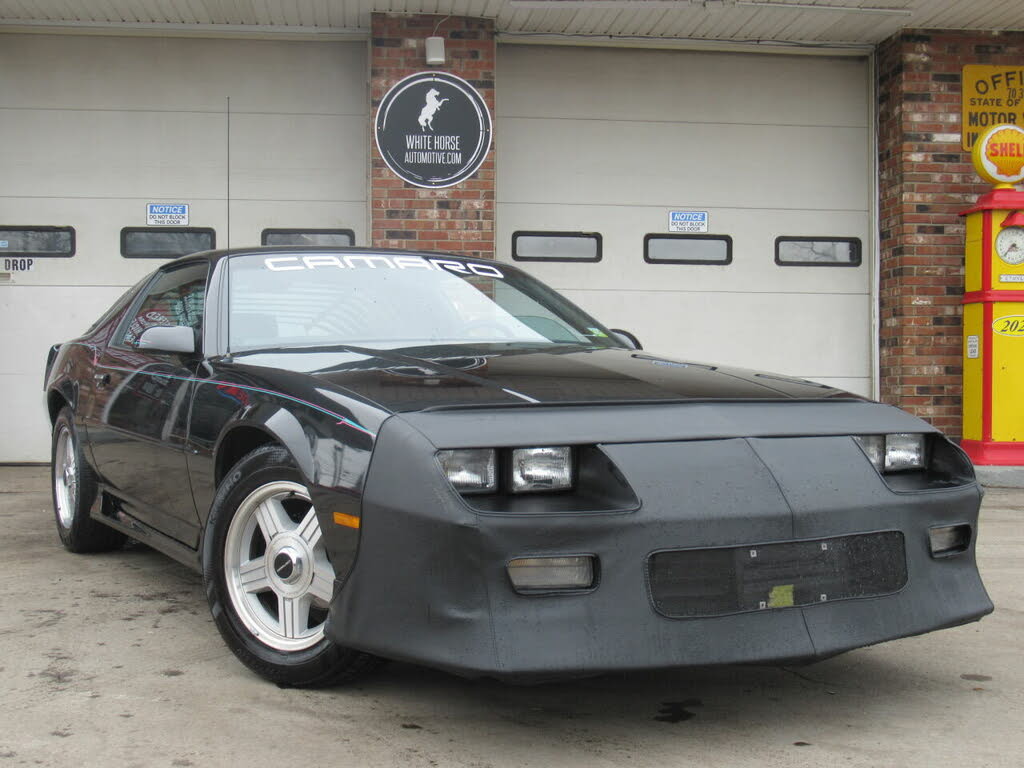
point(1010, 245)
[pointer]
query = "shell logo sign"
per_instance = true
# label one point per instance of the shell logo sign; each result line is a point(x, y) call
point(998, 155)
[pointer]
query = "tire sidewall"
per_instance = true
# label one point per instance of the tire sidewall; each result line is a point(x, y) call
point(264, 465)
point(85, 490)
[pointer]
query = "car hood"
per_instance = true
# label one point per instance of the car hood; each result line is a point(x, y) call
point(415, 378)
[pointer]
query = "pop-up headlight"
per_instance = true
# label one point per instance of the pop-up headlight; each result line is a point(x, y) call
point(471, 470)
point(896, 452)
point(541, 469)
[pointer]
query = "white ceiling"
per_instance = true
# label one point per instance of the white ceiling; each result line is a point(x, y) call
point(802, 22)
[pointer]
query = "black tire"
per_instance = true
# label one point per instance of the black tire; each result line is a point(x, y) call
point(74, 490)
point(251, 614)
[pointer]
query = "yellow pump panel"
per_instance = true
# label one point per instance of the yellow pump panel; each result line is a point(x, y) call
point(993, 322)
point(993, 378)
point(973, 339)
point(1008, 372)
point(973, 253)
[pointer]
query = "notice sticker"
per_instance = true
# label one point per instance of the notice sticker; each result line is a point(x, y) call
point(167, 215)
point(688, 221)
point(972, 347)
point(1011, 278)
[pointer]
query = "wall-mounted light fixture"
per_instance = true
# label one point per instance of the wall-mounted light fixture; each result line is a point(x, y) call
point(435, 51)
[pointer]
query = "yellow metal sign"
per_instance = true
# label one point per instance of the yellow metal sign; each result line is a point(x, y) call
point(1009, 325)
point(991, 96)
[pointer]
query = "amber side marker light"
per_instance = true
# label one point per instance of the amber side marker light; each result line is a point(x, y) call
point(349, 521)
point(949, 540)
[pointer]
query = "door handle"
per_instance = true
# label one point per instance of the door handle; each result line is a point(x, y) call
point(101, 379)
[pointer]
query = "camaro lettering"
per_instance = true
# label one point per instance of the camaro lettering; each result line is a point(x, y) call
point(451, 266)
point(278, 263)
point(369, 261)
point(484, 270)
point(312, 262)
point(316, 261)
point(412, 262)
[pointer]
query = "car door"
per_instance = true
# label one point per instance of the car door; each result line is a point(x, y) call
point(138, 420)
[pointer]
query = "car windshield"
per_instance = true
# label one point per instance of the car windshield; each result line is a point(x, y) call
point(392, 301)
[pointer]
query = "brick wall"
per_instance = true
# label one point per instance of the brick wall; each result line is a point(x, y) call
point(459, 219)
point(926, 180)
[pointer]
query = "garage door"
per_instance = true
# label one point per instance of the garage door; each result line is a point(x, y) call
point(94, 129)
point(766, 159)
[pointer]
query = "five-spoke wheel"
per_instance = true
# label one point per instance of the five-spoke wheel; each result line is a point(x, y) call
point(268, 578)
point(278, 575)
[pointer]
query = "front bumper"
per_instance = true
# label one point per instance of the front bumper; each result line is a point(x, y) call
point(430, 583)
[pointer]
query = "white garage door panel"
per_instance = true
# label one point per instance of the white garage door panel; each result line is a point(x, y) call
point(97, 225)
point(753, 233)
point(93, 128)
point(149, 73)
point(298, 157)
point(812, 336)
point(610, 141)
point(53, 315)
point(250, 218)
point(118, 154)
point(113, 154)
point(634, 163)
point(25, 428)
point(680, 86)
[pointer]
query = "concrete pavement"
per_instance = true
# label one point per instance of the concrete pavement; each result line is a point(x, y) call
point(112, 660)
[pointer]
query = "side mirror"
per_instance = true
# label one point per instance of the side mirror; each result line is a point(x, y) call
point(173, 338)
point(626, 338)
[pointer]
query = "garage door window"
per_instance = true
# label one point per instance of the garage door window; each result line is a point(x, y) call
point(333, 237)
point(688, 249)
point(556, 246)
point(817, 252)
point(165, 242)
point(38, 242)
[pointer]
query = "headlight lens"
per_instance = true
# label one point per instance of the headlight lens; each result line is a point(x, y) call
point(897, 452)
point(541, 469)
point(509, 470)
point(471, 470)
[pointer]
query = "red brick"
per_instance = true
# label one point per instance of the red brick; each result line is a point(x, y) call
point(922, 251)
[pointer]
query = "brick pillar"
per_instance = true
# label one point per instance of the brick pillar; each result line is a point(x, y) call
point(458, 219)
point(926, 180)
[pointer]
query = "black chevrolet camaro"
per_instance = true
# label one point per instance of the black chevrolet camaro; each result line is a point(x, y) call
point(380, 454)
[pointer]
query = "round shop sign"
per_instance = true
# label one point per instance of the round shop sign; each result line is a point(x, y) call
point(998, 155)
point(433, 129)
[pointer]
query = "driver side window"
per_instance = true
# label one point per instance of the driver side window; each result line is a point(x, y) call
point(176, 297)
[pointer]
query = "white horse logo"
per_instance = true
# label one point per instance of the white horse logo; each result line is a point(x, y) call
point(433, 104)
